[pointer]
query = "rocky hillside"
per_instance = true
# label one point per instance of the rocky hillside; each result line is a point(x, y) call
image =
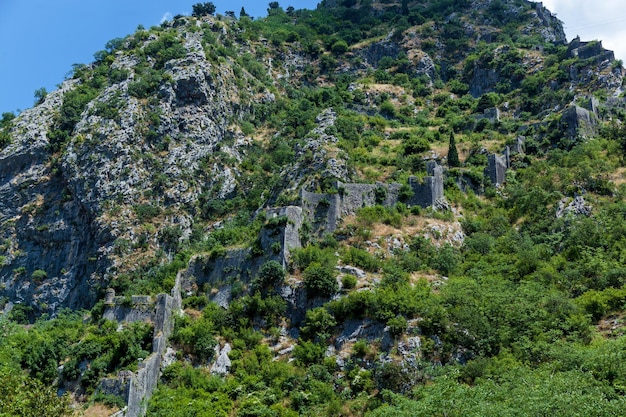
point(138, 152)
point(298, 172)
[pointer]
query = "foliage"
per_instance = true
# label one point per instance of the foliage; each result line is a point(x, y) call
point(453, 153)
point(270, 274)
point(560, 279)
point(40, 95)
point(28, 397)
point(203, 9)
point(360, 258)
point(319, 280)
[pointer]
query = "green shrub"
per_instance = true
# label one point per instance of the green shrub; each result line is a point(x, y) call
point(39, 275)
point(397, 325)
point(165, 48)
point(271, 273)
point(319, 323)
point(146, 212)
point(339, 47)
point(348, 282)
point(302, 258)
point(416, 145)
point(319, 280)
point(361, 258)
point(360, 348)
point(307, 352)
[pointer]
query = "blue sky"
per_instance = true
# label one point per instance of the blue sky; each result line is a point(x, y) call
point(41, 39)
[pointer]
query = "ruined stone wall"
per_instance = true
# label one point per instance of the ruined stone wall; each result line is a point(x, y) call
point(427, 192)
point(140, 308)
point(325, 210)
point(289, 234)
point(146, 377)
point(496, 169)
point(137, 388)
point(322, 210)
point(577, 121)
point(356, 196)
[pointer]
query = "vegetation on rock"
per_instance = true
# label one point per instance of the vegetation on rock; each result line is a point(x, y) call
point(180, 155)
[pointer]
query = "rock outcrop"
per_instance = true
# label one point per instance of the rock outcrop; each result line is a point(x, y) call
point(579, 122)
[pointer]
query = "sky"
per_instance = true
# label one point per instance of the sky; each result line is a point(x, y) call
point(40, 40)
point(603, 20)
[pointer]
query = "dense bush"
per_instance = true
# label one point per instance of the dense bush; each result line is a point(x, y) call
point(319, 280)
point(270, 274)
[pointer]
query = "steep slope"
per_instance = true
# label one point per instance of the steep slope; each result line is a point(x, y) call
point(119, 167)
point(286, 180)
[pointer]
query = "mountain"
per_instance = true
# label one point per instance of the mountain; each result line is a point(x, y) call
point(289, 177)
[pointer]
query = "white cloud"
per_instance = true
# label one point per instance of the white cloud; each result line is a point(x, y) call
point(167, 16)
point(600, 19)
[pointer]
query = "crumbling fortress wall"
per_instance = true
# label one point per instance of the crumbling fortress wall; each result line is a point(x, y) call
point(279, 236)
point(323, 211)
point(136, 388)
point(496, 168)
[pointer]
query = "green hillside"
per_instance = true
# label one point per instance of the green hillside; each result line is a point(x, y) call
point(373, 208)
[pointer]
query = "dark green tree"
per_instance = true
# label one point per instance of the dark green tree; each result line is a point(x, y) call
point(243, 13)
point(203, 9)
point(40, 95)
point(273, 8)
point(319, 281)
point(270, 274)
point(405, 7)
point(453, 153)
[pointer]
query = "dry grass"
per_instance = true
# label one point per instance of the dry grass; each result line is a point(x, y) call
point(618, 177)
point(97, 410)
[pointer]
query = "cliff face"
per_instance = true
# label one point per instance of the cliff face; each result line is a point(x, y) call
point(43, 226)
point(71, 214)
point(169, 133)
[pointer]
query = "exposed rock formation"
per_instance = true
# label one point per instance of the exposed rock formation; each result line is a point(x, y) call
point(577, 207)
point(579, 122)
point(222, 364)
point(45, 227)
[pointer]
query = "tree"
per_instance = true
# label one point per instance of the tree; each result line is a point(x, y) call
point(273, 8)
point(203, 9)
point(319, 281)
point(340, 47)
point(453, 153)
point(40, 95)
point(414, 145)
point(319, 324)
point(405, 7)
point(5, 125)
point(28, 397)
point(243, 13)
point(270, 274)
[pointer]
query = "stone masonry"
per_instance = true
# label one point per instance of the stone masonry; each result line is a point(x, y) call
point(137, 387)
point(324, 211)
